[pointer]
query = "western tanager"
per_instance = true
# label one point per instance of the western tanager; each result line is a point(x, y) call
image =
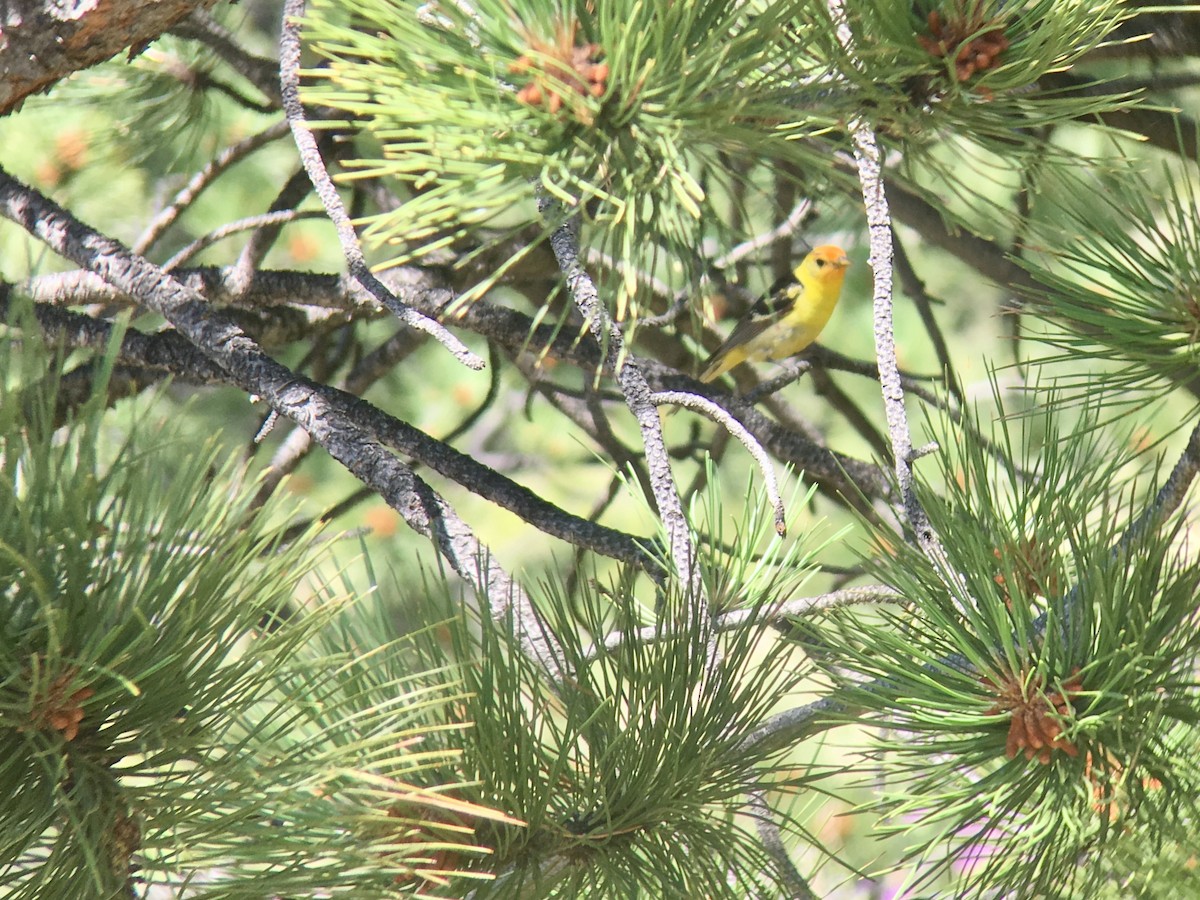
point(787, 320)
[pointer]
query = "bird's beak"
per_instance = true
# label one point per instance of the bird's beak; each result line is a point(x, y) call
point(842, 261)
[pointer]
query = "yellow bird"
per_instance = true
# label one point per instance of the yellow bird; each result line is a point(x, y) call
point(789, 319)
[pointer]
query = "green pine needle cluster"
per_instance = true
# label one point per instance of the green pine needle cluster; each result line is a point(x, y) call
point(159, 721)
point(1128, 294)
point(1037, 694)
point(637, 762)
point(972, 67)
point(627, 113)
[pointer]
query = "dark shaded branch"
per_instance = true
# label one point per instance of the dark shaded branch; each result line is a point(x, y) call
point(261, 72)
point(986, 257)
point(915, 288)
point(1166, 129)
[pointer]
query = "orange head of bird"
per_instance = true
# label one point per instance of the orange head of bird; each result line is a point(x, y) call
point(827, 264)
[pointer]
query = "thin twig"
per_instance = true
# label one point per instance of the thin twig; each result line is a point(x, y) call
point(793, 371)
point(310, 156)
point(250, 223)
point(741, 618)
point(789, 226)
point(290, 196)
point(201, 180)
point(721, 416)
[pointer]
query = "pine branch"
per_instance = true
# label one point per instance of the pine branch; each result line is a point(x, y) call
point(795, 725)
point(1168, 499)
point(169, 352)
point(45, 42)
point(325, 414)
point(840, 475)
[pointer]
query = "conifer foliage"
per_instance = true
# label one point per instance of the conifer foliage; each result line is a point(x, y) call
point(346, 546)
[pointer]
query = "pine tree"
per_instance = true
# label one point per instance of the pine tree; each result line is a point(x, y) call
point(942, 641)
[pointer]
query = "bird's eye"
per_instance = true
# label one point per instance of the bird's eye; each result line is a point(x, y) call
point(820, 262)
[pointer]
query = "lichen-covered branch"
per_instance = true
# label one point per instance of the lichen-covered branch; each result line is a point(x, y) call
point(637, 395)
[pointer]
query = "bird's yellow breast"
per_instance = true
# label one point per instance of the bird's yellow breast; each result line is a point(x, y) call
point(809, 314)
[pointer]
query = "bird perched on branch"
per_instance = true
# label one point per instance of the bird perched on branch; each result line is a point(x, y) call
point(789, 318)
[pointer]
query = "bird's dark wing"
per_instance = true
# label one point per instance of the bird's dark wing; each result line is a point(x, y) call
point(762, 315)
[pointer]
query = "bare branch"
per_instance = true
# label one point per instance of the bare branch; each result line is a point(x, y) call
point(633, 386)
point(250, 223)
